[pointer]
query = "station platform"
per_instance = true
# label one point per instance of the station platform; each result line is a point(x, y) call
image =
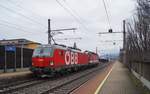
point(14, 74)
point(119, 82)
point(115, 79)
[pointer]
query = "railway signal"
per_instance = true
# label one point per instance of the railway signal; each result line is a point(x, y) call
point(110, 31)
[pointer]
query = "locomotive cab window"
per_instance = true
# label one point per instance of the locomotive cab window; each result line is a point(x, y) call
point(42, 51)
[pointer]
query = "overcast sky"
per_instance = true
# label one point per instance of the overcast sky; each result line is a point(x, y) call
point(28, 19)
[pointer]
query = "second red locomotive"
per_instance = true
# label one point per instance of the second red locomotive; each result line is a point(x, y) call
point(48, 59)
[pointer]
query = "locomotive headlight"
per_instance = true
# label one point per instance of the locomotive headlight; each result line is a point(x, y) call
point(51, 63)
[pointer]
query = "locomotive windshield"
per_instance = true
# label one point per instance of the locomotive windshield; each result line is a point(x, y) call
point(42, 52)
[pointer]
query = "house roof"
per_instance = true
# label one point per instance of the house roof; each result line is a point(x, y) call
point(17, 41)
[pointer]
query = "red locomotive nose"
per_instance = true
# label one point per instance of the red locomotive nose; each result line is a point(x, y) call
point(40, 59)
point(42, 62)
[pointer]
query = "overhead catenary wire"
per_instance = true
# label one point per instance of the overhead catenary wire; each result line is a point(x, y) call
point(7, 25)
point(26, 33)
point(108, 19)
point(22, 28)
point(74, 11)
point(67, 10)
point(14, 27)
point(19, 26)
point(79, 38)
point(27, 10)
point(16, 35)
point(20, 14)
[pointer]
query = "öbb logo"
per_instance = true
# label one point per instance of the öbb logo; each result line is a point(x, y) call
point(71, 58)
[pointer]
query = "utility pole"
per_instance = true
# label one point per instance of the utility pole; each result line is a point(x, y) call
point(124, 34)
point(49, 32)
point(96, 50)
point(124, 41)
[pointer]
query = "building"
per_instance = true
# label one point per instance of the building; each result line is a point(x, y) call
point(20, 43)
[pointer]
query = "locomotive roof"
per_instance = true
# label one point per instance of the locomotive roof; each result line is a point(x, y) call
point(54, 46)
point(57, 46)
point(90, 52)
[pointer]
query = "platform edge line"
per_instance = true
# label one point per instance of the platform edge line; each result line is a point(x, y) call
point(102, 83)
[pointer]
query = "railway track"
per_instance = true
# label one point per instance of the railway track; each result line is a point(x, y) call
point(13, 83)
point(56, 85)
point(4, 89)
point(8, 80)
point(69, 86)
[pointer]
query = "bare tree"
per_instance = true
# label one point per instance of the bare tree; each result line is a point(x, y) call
point(138, 37)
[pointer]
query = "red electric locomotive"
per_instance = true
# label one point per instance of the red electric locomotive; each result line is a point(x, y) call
point(93, 57)
point(49, 59)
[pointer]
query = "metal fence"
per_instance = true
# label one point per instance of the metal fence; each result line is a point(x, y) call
point(139, 63)
point(7, 58)
point(142, 68)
